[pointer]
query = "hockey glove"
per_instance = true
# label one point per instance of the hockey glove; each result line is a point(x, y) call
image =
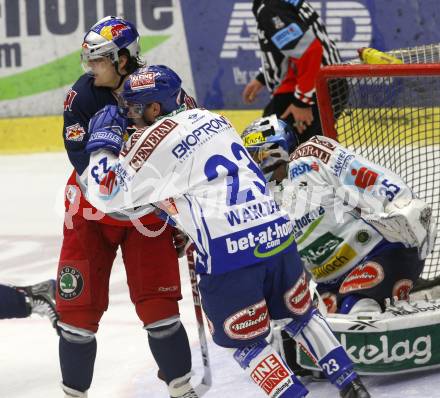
point(106, 129)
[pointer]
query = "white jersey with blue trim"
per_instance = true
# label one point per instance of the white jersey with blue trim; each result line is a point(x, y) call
point(327, 191)
point(192, 165)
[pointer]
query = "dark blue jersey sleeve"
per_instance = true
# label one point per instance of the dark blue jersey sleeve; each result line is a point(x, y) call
point(82, 101)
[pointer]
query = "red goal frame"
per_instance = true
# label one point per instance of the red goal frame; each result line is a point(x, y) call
point(359, 71)
point(326, 103)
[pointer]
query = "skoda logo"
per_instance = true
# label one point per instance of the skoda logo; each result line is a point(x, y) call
point(71, 283)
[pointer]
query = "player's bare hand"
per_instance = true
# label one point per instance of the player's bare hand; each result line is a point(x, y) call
point(251, 91)
point(303, 117)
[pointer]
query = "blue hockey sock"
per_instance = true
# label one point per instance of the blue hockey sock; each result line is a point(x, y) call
point(170, 348)
point(77, 361)
point(13, 303)
point(338, 367)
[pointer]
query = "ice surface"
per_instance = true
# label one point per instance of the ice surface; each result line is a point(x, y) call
point(31, 216)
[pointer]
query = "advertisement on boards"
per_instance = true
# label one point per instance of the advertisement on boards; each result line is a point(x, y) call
point(211, 44)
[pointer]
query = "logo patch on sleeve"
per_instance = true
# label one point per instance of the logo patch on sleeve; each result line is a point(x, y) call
point(286, 35)
point(75, 132)
point(70, 96)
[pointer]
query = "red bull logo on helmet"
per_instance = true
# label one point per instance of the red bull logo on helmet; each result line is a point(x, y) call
point(113, 31)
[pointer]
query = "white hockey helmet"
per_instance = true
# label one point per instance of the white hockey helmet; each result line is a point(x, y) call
point(106, 38)
point(270, 141)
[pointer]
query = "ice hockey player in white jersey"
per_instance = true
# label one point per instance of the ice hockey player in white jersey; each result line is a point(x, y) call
point(191, 163)
point(361, 232)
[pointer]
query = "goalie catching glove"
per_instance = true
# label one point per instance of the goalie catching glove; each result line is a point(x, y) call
point(408, 221)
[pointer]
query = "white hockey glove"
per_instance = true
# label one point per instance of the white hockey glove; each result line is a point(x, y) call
point(408, 221)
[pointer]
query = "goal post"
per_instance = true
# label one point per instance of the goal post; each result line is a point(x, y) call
point(390, 114)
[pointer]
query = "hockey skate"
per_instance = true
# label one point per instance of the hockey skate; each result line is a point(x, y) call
point(41, 299)
point(72, 393)
point(189, 394)
point(180, 387)
point(355, 390)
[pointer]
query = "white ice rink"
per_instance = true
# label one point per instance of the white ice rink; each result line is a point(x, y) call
point(31, 219)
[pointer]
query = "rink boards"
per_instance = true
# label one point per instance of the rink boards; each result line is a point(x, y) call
point(44, 133)
point(402, 339)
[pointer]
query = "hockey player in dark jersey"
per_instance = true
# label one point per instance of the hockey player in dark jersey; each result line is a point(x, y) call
point(294, 44)
point(109, 53)
point(21, 302)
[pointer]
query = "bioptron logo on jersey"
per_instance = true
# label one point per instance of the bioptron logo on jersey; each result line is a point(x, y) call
point(242, 31)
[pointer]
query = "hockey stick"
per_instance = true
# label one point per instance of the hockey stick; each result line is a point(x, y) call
point(206, 382)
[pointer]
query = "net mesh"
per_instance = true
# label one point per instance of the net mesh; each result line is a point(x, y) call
point(428, 54)
point(395, 122)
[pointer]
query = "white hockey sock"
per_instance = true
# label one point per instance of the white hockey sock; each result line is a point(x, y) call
point(317, 339)
point(315, 336)
point(71, 393)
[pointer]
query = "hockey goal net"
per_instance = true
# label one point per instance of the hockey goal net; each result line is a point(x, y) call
point(390, 114)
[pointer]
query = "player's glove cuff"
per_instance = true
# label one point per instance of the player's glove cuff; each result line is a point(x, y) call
point(106, 129)
point(106, 138)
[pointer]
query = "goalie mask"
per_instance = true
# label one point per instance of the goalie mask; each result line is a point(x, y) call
point(106, 38)
point(270, 141)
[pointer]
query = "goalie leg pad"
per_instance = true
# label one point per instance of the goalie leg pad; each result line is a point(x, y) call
point(353, 304)
point(77, 350)
point(316, 338)
point(267, 369)
point(170, 348)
